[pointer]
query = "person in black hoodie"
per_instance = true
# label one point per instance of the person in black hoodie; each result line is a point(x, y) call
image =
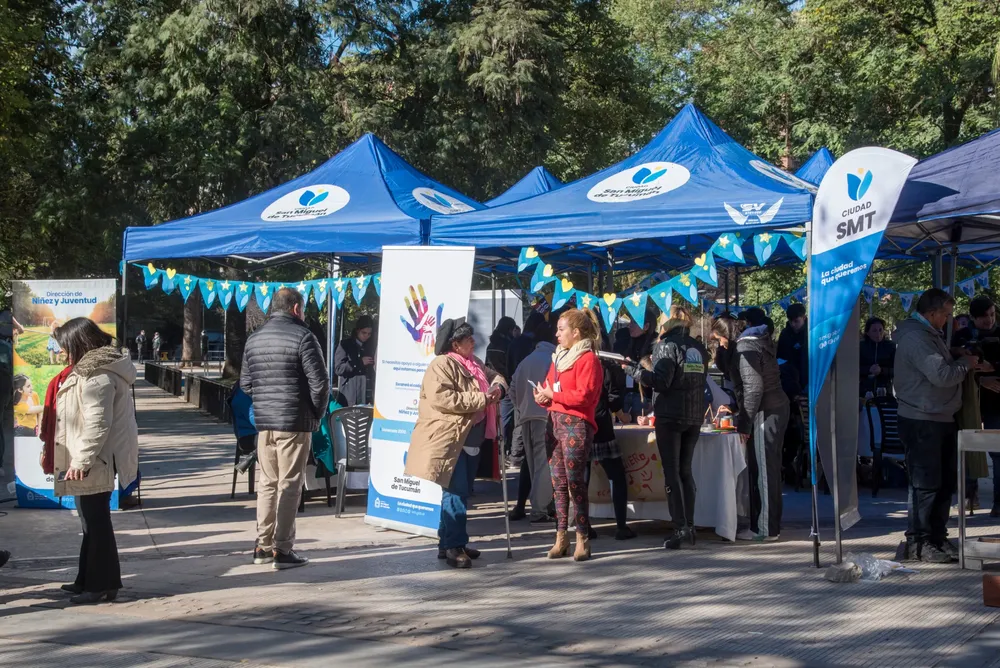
point(793, 346)
point(877, 358)
point(678, 378)
point(762, 420)
point(354, 364)
point(606, 450)
point(501, 338)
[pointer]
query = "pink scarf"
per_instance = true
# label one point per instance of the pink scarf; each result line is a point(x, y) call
point(479, 374)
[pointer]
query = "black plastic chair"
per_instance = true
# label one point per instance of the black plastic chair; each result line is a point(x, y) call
point(887, 408)
point(251, 472)
point(350, 429)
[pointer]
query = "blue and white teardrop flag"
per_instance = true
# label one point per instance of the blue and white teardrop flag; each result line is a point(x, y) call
point(338, 290)
point(527, 258)
point(151, 275)
point(263, 292)
point(377, 280)
point(764, 245)
point(855, 201)
point(611, 304)
point(704, 269)
point(167, 280)
point(728, 247)
point(208, 293)
point(226, 290)
point(968, 287)
point(304, 288)
point(359, 286)
point(563, 293)
point(868, 292)
point(662, 296)
point(797, 242)
point(243, 292)
point(635, 304)
point(686, 287)
point(543, 275)
point(983, 280)
point(321, 290)
point(186, 284)
point(906, 299)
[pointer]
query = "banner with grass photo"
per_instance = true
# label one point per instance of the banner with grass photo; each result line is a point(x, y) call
point(40, 307)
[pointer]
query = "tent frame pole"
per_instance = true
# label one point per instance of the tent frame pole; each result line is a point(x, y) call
point(812, 447)
point(493, 290)
point(834, 464)
point(123, 335)
point(736, 285)
point(726, 291)
point(331, 322)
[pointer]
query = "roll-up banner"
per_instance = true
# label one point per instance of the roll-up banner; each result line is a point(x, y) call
point(421, 286)
point(855, 201)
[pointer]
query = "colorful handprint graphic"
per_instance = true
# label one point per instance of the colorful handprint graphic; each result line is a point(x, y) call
point(424, 323)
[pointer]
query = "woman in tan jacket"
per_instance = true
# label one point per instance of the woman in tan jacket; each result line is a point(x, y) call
point(456, 414)
point(95, 437)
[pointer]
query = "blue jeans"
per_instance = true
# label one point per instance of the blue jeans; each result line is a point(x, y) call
point(452, 532)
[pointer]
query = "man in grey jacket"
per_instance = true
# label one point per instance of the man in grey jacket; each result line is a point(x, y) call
point(530, 421)
point(929, 391)
point(285, 375)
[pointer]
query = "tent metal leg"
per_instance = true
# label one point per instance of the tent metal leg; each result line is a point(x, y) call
point(123, 335)
point(493, 290)
point(736, 285)
point(331, 322)
point(835, 483)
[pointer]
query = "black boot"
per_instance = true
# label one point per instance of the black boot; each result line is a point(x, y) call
point(675, 541)
point(92, 597)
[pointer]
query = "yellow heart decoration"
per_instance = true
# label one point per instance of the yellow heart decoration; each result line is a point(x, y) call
point(609, 298)
point(531, 253)
point(171, 273)
point(152, 269)
point(700, 261)
point(547, 272)
point(567, 285)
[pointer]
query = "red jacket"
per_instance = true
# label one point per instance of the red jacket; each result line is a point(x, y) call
point(579, 388)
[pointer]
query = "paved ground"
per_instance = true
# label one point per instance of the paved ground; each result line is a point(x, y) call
point(376, 598)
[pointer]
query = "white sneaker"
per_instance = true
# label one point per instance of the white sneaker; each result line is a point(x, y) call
point(747, 535)
point(770, 539)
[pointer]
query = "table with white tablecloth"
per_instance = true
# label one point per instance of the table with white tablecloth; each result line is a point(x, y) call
point(719, 459)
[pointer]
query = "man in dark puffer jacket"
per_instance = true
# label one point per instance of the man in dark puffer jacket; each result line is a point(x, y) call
point(284, 373)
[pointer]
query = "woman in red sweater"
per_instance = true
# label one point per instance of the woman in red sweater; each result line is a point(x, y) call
point(571, 392)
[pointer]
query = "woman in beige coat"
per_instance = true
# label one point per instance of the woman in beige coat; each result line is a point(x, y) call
point(95, 437)
point(457, 412)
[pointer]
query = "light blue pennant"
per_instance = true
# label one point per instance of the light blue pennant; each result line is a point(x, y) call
point(208, 291)
point(767, 308)
point(968, 287)
point(868, 292)
point(585, 300)
point(785, 302)
point(320, 290)
point(662, 296)
point(883, 293)
point(377, 280)
point(983, 280)
point(800, 294)
point(338, 290)
point(635, 304)
point(906, 299)
point(151, 275)
point(728, 247)
point(764, 245)
point(563, 293)
point(609, 312)
point(686, 286)
point(527, 258)
point(264, 293)
point(797, 242)
point(226, 290)
point(304, 288)
point(704, 269)
point(186, 284)
point(359, 287)
point(167, 281)
point(243, 292)
point(543, 276)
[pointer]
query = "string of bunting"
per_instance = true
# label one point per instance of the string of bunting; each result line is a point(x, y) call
point(906, 299)
point(729, 246)
point(718, 308)
point(239, 292)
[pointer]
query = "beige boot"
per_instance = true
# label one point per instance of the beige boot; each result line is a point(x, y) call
point(561, 547)
point(582, 552)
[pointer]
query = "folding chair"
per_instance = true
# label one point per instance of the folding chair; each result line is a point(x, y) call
point(350, 428)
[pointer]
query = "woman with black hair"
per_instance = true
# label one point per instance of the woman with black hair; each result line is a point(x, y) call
point(606, 450)
point(496, 352)
point(354, 364)
point(877, 358)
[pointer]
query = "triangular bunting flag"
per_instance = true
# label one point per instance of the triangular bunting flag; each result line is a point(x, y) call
point(377, 280)
point(906, 299)
point(543, 276)
point(785, 302)
point(527, 258)
point(151, 275)
point(564, 292)
point(662, 296)
point(167, 281)
point(186, 284)
point(686, 287)
point(208, 293)
point(586, 300)
point(764, 245)
point(800, 294)
point(225, 289)
point(611, 304)
point(797, 242)
point(868, 292)
point(243, 291)
point(321, 290)
point(359, 286)
point(728, 247)
point(968, 287)
point(304, 288)
point(767, 309)
point(264, 292)
point(983, 280)
point(704, 269)
point(635, 304)
point(338, 290)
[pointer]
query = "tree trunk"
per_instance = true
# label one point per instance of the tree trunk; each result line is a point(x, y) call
point(236, 340)
point(193, 324)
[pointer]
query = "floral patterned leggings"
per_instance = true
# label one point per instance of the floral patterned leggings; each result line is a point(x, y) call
point(569, 439)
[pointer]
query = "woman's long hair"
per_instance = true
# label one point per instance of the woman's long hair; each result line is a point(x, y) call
point(586, 322)
point(79, 336)
point(679, 317)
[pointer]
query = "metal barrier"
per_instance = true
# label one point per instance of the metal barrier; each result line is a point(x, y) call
point(166, 378)
point(208, 395)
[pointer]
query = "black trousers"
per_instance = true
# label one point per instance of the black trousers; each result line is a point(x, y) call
point(523, 484)
point(99, 567)
point(764, 472)
point(615, 469)
point(676, 445)
point(932, 464)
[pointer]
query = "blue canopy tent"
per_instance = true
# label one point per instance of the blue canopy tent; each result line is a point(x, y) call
point(363, 198)
point(537, 181)
point(689, 184)
point(816, 166)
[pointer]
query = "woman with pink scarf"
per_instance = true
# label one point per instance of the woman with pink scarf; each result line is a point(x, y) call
point(457, 416)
